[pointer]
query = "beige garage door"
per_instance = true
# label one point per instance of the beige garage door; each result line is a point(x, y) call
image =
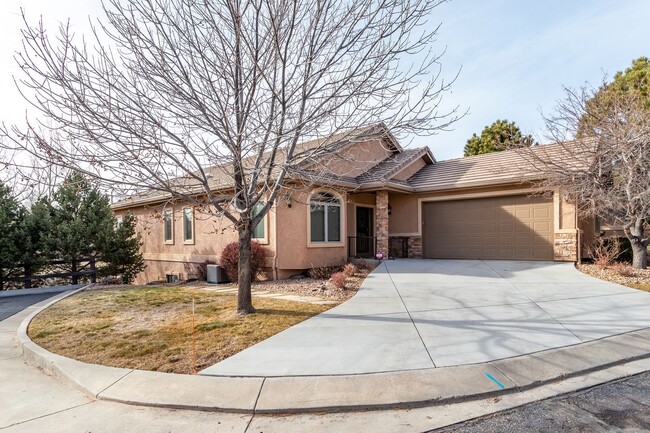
point(508, 228)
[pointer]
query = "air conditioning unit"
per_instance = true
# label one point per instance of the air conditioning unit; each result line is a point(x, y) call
point(216, 274)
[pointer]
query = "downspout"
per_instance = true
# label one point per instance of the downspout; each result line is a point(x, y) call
point(578, 234)
point(275, 240)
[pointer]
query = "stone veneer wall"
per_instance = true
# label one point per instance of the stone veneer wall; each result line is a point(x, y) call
point(381, 216)
point(565, 247)
point(415, 247)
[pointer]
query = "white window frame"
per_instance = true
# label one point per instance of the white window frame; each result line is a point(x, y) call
point(118, 221)
point(326, 205)
point(169, 212)
point(191, 212)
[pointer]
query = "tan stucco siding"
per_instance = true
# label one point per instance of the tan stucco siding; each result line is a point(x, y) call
point(211, 235)
point(357, 159)
point(410, 170)
point(294, 251)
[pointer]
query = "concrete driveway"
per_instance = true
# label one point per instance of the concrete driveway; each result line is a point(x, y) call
point(415, 314)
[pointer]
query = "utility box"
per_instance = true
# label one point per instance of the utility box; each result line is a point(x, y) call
point(216, 274)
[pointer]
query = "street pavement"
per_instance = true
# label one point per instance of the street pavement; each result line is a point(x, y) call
point(621, 406)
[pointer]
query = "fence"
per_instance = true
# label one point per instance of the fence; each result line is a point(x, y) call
point(74, 274)
point(362, 246)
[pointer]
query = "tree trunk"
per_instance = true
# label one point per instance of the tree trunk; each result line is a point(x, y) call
point(639, 247)
point(244, 298)
point(639, 254)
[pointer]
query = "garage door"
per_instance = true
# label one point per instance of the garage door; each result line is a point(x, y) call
point(507, 228)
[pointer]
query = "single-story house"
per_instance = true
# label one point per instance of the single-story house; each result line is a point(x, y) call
point(380, 198)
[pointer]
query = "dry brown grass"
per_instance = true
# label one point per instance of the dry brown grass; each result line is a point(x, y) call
point(150, 328)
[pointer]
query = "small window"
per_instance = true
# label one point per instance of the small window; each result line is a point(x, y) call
point(259, 232)
point(168, 226)
point(325, 218)
point(118, 222)
point(188, 225)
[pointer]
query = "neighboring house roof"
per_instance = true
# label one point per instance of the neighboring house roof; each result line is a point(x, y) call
point(509, 166)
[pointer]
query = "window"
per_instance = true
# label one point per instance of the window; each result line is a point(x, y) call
point(259, 232)
point(168, 226)
point(188, 225)
point(118, 222)
point(325, 217)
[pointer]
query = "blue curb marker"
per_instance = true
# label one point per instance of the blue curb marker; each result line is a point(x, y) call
point(502, 386)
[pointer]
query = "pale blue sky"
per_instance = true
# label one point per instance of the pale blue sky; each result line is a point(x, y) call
point(515, 55)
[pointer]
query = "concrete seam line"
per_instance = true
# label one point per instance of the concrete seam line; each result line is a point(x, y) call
point(496, 367)
point(533, 302)
point(122, 377)
point(410, 317)
point(46, 415)
point(248, 424)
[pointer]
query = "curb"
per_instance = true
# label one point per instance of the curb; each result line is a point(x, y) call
point(331, 394)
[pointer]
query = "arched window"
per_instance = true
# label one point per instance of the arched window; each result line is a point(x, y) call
point(325, 213)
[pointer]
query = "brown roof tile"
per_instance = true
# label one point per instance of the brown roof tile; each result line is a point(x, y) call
point(393, 164)
point(510, 166)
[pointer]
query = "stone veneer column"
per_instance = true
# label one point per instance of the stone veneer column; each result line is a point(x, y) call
point(382, 222)
point(565, 247)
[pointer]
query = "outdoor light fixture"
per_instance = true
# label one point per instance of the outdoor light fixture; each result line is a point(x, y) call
point(390, 210)
point(288, 198)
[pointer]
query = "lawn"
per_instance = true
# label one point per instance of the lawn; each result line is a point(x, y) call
point(150, 328)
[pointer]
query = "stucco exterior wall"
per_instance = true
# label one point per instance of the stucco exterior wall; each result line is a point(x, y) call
point(294, 251)
point(358, 158)
point(211, 235)
point(410, 170)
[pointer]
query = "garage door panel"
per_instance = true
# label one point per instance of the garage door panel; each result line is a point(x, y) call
point(507, 228)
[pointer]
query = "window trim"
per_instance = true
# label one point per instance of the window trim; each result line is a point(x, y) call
point(342, 215)
point(192, 221)
point(168, 211)
point(265, 220)
point(118, 221)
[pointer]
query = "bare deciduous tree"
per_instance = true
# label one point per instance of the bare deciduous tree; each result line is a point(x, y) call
point(189, 98)
point(606, 171)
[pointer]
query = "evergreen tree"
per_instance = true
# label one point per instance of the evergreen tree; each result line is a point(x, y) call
point(501, 135)
point(11, 216)
point(633, 82)
point(122, 251)
point(82, 220)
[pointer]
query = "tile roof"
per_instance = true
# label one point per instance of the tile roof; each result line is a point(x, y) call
point(393, 165)
point(510, 166)
point(219, 177)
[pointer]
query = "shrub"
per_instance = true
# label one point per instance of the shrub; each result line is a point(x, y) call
point(623, 269)
point(323, 272)
point(605, 251)
point(230, 260)
point(349, 269)
point(339, 279)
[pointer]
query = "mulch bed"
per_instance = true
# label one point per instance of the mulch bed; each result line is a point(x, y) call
point(619, 273)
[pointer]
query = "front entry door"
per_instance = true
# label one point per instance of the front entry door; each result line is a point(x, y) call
point(365, 231)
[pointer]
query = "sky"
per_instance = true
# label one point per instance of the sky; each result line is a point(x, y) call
point(514, 56)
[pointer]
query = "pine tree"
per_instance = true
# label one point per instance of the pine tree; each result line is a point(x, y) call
point(82, 220)
point(501, 135)
point(11, 215)
point(122, 252)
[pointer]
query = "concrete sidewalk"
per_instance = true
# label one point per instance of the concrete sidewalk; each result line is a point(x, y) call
point(421, 314)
